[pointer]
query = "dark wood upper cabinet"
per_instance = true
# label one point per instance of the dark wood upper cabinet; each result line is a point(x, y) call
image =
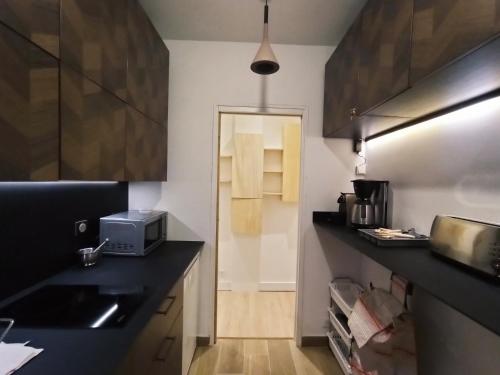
point(37, 20)
point(92, 130)
point(148, 59)
point(341, 72)
point(94, 41)
point(146, 150)
point(444, 30)
point(414, 60)
point(384, 51)
point(29, 110)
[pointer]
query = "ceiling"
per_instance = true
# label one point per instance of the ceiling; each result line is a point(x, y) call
point(305, 22)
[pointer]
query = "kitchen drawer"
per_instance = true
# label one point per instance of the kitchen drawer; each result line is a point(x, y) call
point(152, 340)
point(167, 359)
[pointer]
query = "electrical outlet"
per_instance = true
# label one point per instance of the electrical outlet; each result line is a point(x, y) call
point(361, 170)
point(81, 227)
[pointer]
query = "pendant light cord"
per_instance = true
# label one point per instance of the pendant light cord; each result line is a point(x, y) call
point(266, 13)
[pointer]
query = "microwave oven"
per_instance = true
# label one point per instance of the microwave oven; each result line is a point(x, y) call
point(133, 233)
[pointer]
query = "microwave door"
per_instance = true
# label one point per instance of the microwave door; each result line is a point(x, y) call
point(152, 233)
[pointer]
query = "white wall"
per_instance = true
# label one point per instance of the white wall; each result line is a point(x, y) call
point(266, 261)
point(206, 74)
point(449, 165)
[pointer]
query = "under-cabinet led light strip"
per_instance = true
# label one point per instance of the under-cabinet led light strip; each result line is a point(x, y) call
point(474, 112)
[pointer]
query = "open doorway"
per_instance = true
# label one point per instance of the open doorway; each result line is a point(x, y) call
point(257, 225)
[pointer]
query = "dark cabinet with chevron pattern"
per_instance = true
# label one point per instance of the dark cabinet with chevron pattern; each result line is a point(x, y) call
point(370, 66)
point(37, 20)
point(413, 60)
point(29, 110)
point(94, 41)
point(445, 30)
point(341, 79)
point(146, 148)
point(148, 63)
point(384, 51)
point(84, 91)
point(92, 130)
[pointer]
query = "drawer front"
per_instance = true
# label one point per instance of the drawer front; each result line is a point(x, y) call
point(168, 357)
point(169, 309)
point(153, 341)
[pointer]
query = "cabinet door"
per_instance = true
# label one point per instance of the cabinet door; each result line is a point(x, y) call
point(247, 166)
point(146, 151)
point(158, 104)
point(341, 83)
point(37, 20)
point(140, 55)
point(94, 41)
point(148, 64)
point(384, 65)
point(29, 110)
point(445, 30)
point(291, 163)
point(153, 349)
point(92, 130)
point(190, 315)
point(167, 359)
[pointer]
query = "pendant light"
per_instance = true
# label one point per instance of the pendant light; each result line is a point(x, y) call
point(265, 61)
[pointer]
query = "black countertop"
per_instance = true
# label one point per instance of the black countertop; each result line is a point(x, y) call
point(471, 294)
point(100, 351)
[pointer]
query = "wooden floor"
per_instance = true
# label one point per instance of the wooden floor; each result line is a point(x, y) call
point(263, 357)
point(255, 314)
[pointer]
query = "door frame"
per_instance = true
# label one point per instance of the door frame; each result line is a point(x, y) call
point(280, 110)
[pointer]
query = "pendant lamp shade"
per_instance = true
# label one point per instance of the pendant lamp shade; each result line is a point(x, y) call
point(265, 61)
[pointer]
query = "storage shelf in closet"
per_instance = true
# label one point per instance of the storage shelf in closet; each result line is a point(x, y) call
point(271, 193)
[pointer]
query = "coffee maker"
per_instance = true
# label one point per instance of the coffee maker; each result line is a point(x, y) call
point(370, 208)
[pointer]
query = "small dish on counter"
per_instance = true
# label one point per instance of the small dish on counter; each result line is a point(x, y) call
point(383, 237)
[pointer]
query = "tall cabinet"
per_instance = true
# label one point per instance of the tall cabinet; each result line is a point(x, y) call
point(85, 87)
point(29, 110)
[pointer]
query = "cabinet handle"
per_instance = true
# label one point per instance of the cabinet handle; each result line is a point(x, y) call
point(165, 347)
point(353, 113)
point(166, 305)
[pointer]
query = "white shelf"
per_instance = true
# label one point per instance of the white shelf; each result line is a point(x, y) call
point(226, 156)
point(273, 171)
point(344, 293)
point(339, 327)
point(335, 343)
point(271, 193)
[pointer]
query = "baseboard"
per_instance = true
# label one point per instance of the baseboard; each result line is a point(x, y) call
point(202, 341)
point(314, 340)
point(277, 287)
